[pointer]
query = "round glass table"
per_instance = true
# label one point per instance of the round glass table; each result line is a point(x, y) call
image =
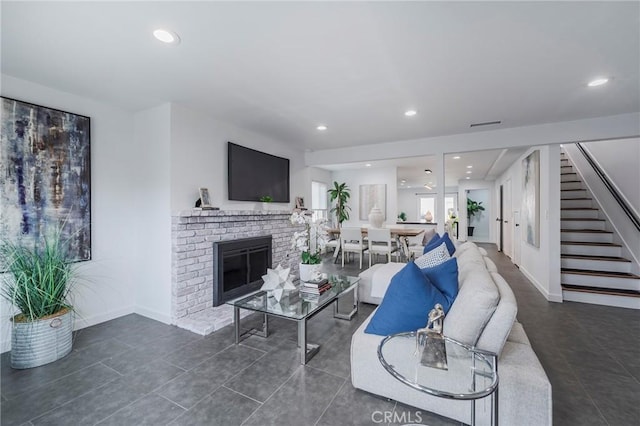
point(442, 367)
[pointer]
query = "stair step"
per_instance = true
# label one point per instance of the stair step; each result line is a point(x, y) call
point(587, 235)
point(582, 224)
point(601, 296)
point(602, 279)
point(590, 248)
point(579, 214)
point(599, 262)
point(576, 203)
point(572, 194)
point(571, 185)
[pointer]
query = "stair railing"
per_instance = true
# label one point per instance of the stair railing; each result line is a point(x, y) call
point(612, 189)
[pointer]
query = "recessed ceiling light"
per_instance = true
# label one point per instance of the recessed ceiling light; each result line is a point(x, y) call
point(322, 127)
point(428, 171)
point(469, 172)
point(368, 165)
point(410, 113)
point(403, 181)
point(467, 177)
point(598, 82)
point(165, 36)
point(457, 157)
point(408, 186)
point(469, 167)
point(427, 186)
point(430, 183)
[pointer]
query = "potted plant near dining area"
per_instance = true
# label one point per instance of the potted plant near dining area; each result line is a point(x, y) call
point(340, 194)
point(38, 282)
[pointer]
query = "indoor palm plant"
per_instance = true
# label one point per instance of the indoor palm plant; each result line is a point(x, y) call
point(38, 282)
point(473, 208)
point(310, 241)
point(340, 194)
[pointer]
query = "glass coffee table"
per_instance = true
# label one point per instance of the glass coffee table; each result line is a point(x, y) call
point(299, 309)
point(470, 374)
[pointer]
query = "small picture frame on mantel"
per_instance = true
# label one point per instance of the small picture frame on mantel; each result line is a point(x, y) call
point(205, 200)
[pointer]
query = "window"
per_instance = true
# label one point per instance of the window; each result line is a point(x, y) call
point(450, 205)
point(319, 198)
point(427, 204)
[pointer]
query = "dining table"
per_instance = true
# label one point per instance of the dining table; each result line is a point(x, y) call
point(398, 233)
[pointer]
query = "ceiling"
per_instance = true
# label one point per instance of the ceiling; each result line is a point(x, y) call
point(281, 69)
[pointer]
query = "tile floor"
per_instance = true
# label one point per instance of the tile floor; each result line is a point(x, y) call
point(136, 371)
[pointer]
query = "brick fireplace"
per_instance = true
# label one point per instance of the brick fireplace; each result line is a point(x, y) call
point(193, 234)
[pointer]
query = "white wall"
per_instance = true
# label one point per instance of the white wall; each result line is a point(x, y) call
point(153, 263)
point(408, 203)
point(355, 178)
point(620, 160)
point(199, 159)
point(114, 205)
point(541, 265)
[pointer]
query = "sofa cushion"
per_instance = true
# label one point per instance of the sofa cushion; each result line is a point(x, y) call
point(437, 241)
point(445, 278)
point(407, 303)
point(474, 305)
point(434, 257)
point(491, 267)
point(499, 326)
point(382, 277)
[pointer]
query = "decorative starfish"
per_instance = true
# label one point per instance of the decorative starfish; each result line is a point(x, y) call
point(277, 281)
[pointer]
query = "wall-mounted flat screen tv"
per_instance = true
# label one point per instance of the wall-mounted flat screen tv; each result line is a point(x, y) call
point(253, 174)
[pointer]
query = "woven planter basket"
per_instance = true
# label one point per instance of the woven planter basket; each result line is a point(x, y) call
point(42, 341)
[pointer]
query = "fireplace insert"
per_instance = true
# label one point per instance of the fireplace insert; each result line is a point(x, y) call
point(238, 267)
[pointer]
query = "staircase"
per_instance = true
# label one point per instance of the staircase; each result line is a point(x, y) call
point(593, 270)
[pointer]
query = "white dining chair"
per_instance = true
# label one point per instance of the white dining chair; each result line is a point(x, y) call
point(380, 243)
point(351, 241)
point(414, 246)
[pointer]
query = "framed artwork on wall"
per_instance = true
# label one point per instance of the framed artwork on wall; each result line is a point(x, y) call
point(370, 196)
point(45, 164)
point(531, 198)
point(205, 199)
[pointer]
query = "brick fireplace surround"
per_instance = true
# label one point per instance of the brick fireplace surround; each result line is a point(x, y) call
point(193, 233)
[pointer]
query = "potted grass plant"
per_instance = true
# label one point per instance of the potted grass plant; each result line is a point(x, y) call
point(38, 282)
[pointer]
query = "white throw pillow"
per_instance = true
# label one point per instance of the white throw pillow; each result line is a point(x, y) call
point(433, 257)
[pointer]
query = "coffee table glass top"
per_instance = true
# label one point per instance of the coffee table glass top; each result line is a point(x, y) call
point(294, 306)
point(470, 373)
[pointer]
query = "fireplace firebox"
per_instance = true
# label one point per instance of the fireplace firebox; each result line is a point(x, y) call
point(238, 267)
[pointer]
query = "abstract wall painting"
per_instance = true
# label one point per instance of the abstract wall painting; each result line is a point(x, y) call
point(45, 175)
point(370, 196)
point(531, 198)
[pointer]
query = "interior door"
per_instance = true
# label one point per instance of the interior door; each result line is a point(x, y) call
point(499, 219)
point(507, 219)
point(516, 237)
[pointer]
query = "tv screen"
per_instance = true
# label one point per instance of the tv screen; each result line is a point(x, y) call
point(253, 174)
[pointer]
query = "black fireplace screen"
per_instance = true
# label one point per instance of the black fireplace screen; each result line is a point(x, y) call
point(238, 267)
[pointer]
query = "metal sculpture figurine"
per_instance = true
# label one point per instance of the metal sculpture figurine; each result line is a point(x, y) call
point(434, 353)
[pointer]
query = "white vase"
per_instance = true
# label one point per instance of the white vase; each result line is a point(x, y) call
point(428, 217)
point(376, 218)
point(309, 272)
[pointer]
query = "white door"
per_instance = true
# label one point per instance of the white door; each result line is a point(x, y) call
point(507, 226)
point(516, 237)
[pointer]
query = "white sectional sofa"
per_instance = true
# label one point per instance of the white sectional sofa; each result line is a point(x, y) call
point(482, 315)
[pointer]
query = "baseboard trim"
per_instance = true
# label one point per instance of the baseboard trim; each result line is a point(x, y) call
point(83, 322)
point(551, 297)
point(154, 315)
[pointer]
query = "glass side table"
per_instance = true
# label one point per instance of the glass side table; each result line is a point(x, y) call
point(471, 374)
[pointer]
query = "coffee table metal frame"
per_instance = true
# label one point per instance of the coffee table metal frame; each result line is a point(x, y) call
point(307, 350)
point(472, 395)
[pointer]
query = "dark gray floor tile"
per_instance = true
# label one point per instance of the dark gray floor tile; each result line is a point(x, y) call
point(152, 410)
point(616, 396)
point(15, 382)
point(334, 357)
point(300, 401)
point(154, 374)
point(198, 351)
point(629, 358)
point(222, 408)
point(266, 375)
point(105, 349)
point(355, 407)
point(575, 409)
point(129, 361)
point(95, 405)
point(150, 334)
point(189, 388)
point(37, 401)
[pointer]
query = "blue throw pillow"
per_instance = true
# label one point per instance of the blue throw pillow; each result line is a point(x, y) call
point(450, 246)
point(445, 278)
point(406, 304)
point(433, 243)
